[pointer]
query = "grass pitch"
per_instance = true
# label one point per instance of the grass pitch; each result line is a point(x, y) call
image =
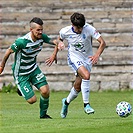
point(17, 116)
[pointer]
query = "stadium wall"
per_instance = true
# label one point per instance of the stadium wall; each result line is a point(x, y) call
point(113, 19)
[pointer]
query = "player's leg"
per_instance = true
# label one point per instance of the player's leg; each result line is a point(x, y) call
point(72, 95)
point(74, 63)
point(39, 81)
point(26, 89)
point(44, 101)
point(75, 90)
point(85, 88)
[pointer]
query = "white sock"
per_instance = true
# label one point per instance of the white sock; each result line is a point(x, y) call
point(72, 95)
point(85, 89)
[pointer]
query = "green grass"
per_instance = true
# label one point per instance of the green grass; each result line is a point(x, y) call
point(17, 116)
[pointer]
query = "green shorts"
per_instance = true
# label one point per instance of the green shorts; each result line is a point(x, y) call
point(25, 82)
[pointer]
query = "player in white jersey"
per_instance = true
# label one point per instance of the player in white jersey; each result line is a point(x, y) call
point(80, 58)
point(25, 69)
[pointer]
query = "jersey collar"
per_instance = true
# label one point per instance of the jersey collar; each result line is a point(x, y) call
point(30, 37)
point(74, 31)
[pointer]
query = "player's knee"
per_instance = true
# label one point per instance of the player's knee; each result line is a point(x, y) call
point(86, 77)
point(32, 100)
point(45, 91)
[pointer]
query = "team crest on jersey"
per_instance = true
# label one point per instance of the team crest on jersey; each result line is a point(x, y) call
point(84, 36)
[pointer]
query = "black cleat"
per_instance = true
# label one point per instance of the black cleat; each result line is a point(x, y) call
point(19, 93)
point(46, 117)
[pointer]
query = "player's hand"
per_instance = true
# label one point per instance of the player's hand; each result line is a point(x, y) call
point(1, 69)
point(50, 60)
point(61, 45)
point(94, 59)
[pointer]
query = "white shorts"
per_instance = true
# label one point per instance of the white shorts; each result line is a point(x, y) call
point(75, 63)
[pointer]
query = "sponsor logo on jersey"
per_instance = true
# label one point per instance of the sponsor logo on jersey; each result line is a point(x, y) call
point(79, 47)
point(29, 49)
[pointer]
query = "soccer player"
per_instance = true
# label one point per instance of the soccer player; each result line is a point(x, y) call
point(25, 69)
point(80, 58)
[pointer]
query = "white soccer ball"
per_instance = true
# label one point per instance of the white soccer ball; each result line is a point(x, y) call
point(123, 109)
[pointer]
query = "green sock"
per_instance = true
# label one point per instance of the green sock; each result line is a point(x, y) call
point(44, 103)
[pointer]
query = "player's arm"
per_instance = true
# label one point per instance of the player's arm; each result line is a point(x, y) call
point(58, 42)
point(58, 46)
point(61, 45)
point(5, 58)
point(101, 47)
point(53, 57)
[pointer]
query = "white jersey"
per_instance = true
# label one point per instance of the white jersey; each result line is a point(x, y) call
point(79, 45)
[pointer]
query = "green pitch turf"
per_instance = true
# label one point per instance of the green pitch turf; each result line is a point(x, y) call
point(17, 116)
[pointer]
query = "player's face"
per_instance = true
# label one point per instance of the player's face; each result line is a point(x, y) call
point(37, 32)
point(77, 29)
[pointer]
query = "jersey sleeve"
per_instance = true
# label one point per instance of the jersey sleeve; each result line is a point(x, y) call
point(45, 38)
point(61, 33)
point(17, 45)
point(95, 33)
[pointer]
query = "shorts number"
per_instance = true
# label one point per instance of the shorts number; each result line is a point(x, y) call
point(79, 63)
point(26, 89)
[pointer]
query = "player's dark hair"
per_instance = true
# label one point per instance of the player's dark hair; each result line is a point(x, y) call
point(78, 19)
point(37, 21)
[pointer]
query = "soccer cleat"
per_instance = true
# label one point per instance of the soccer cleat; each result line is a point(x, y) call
point(64, 109)
point(88, 110)
point(19, 93)
point(46, 117)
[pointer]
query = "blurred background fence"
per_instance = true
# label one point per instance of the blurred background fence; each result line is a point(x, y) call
point(112, 18)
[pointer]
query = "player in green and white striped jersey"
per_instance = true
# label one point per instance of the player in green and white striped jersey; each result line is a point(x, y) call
point(25, 69)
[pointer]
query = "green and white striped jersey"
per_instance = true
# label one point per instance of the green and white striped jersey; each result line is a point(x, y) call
point(26, 51)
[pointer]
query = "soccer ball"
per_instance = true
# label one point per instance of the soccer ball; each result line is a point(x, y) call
point(123, 109)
